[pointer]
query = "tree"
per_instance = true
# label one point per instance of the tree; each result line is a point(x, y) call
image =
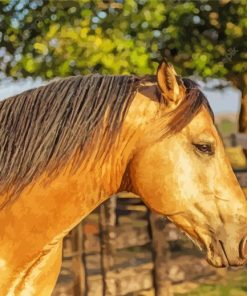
point(213, 43)
point(59, 38)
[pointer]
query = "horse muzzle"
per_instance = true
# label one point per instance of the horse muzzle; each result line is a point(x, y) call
point(223, 255)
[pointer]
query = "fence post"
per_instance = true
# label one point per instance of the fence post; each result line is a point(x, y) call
point(162, 255)
point(78, 267)
point(107, 223)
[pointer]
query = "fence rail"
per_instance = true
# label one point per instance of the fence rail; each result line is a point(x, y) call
point(238, 139)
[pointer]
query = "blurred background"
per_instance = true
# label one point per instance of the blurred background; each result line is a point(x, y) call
point(122, 248)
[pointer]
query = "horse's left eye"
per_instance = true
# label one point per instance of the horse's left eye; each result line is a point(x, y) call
point(204, 148)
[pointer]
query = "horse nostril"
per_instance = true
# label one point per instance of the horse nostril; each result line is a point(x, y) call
point(243, 248)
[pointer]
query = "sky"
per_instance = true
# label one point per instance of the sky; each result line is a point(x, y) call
point(222, 101)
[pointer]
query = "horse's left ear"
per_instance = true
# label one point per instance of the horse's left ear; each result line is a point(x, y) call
point(171, 85)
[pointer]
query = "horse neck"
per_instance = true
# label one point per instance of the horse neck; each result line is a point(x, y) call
point(50, 211)
point(131, 137)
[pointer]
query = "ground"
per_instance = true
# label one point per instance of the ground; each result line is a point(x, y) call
point(230, 283)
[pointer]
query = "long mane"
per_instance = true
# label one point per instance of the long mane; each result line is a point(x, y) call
point(41, 129)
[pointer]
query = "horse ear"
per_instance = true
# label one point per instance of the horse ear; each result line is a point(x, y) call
point(171, 85)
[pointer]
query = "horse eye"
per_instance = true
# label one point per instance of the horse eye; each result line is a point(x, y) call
point(204, 148)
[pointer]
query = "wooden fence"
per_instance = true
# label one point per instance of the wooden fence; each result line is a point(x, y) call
point(239, 140)
point(123, 249)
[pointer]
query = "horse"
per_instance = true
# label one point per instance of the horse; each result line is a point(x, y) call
point(67, 146)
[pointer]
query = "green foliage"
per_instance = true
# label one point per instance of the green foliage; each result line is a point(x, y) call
point(58, 38)
point(236, 285)
point(227, 127)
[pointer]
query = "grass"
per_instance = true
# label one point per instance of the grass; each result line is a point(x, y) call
point(227, 127)
point(235, 284)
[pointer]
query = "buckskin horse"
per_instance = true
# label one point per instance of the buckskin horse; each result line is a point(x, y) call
point(67, 146)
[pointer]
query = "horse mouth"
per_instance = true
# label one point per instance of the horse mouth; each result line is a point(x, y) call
point(226, 259)
point(218, 257)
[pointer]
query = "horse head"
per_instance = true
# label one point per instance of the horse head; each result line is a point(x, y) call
point(182, 172)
